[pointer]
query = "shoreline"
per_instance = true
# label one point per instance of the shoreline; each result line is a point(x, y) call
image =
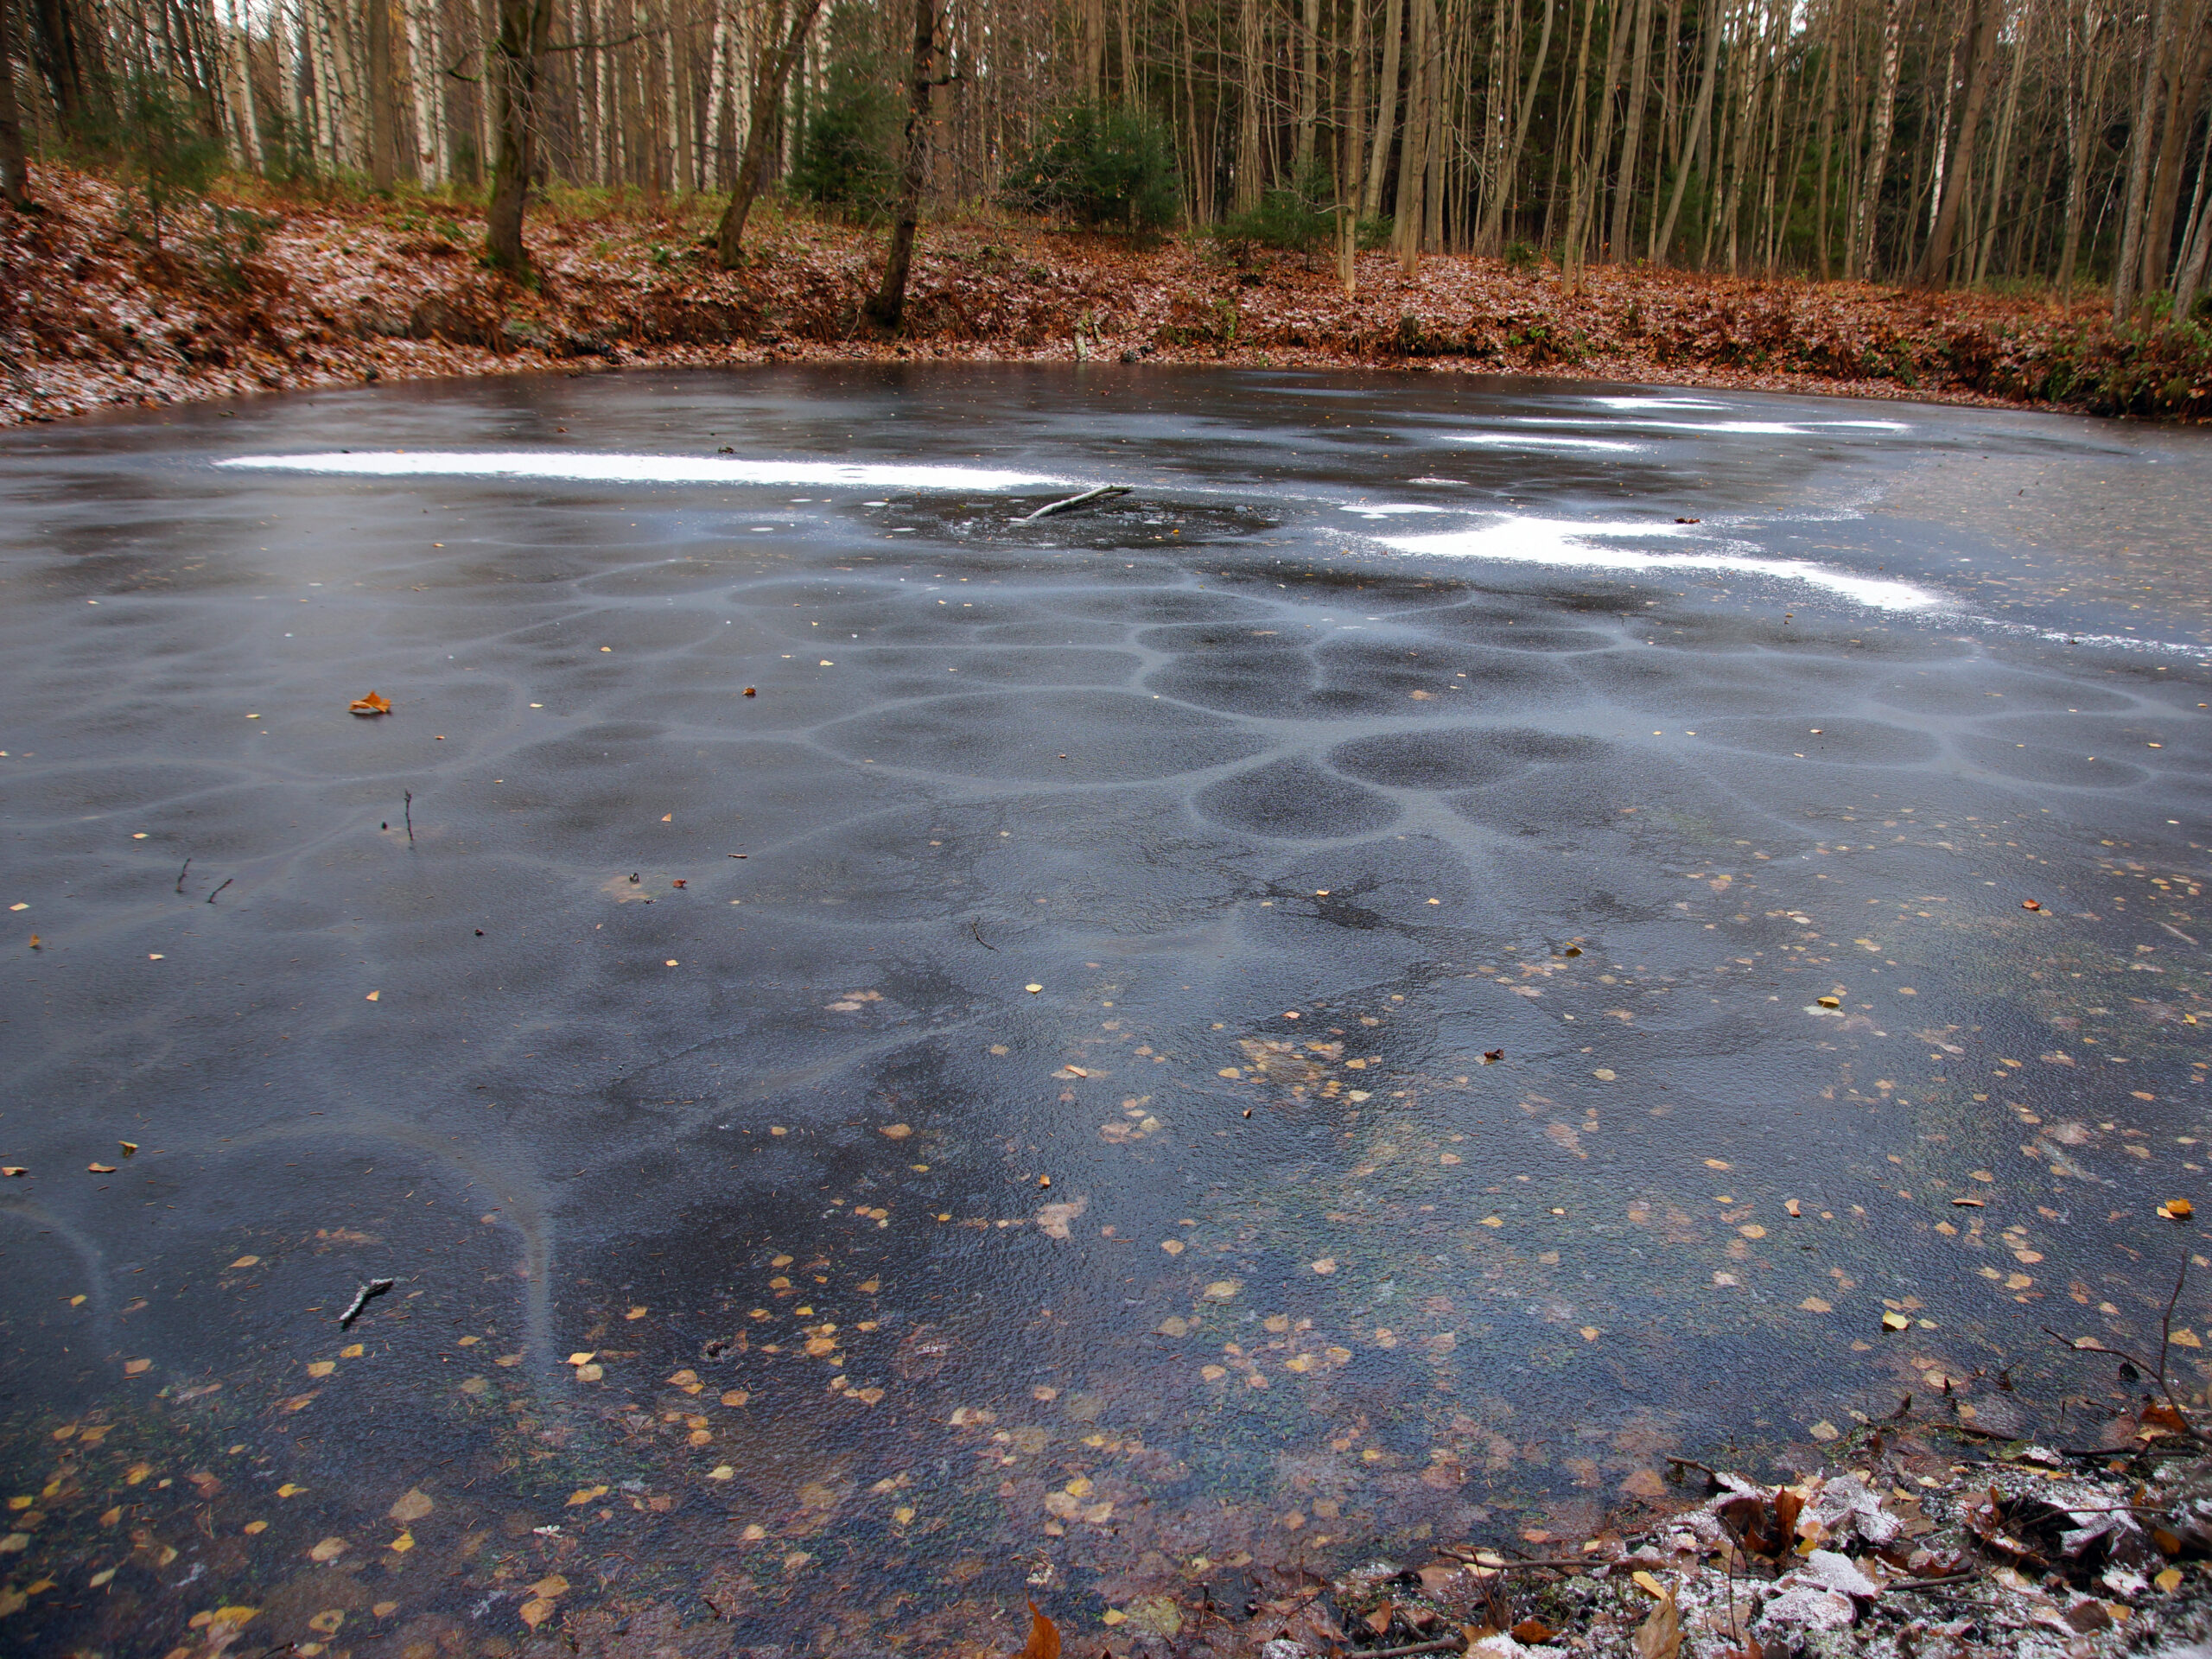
point(314, 295)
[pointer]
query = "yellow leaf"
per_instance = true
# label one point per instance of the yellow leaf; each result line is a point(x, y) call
point(552, 1587)
point(322, 1368)
point(2169, 1580)
point(584, 1495)
point(401, 1544)
point(2179, 1208)
point(1896, 1322)
point(327, 1622)
point(1649, 1585)
point(371, 705)
point(246, 1261)
point(1222, 1290)
point(534, 1613)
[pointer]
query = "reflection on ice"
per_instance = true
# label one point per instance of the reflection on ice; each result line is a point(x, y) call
point(1766, 429)
point(643, 469)
point(1563, 543)
point(1536, 441)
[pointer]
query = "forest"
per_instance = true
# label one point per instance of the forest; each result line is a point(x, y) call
point(2013, 144)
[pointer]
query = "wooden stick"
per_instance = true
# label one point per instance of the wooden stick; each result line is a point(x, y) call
point(1104, 492)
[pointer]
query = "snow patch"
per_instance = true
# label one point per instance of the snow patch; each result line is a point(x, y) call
point(1568, 545)
point(643, 469)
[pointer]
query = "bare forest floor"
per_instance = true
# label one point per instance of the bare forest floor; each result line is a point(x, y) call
point(265, 294)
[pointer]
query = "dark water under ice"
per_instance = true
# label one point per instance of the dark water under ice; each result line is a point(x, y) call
point(1200, 1037)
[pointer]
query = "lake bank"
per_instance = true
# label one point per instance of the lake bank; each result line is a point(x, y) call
point(292, 295)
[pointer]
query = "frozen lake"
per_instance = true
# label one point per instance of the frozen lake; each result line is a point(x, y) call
point(901, 1058)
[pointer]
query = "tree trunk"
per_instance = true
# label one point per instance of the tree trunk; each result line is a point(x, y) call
point(423, 80)
point(2198, 245)
point(2184, 82)
point(1491, 237)
point(767, 102)
point(2138, 171)
point(1834, 50)
point(54, 39)
point(1998, 165)
point(383, 104)
point(1662, 235)
point(1618, 241)
point(889, 305)
point(1859, 260)
point(1386, 114)
point(1935, 259)
point(1413, 162)
point(515, 53)
point(1252, 77)
point(1309, 90)
point(14, 174)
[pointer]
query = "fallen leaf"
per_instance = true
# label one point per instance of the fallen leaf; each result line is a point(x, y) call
point(411, 1506)
point(371, 705)
point(1896, 1322)
point(246, 1261)
point(1326, 1264)
point(99, 1169)
point(1043, 1637)
point(1660, 1636)
point(2178, 1210)
point(552, 1587)
point(2030, 904)
point(137, 1367)
point(328, 1550)
point(1649, 1585)
point(534, 1613)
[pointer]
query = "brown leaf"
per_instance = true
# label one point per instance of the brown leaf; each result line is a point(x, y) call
point(1043, 1637)
point(371, 705)
point(1660, 1636)
point(1533, 1632)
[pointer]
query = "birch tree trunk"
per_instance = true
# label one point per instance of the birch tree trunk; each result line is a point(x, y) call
point(1859, 262)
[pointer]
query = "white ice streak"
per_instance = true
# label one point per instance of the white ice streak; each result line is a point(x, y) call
point(1540, 441)
point(1391, 509)
point(644, 469)
point(1755, 429)
point(1565, 544)
point(1654, 403)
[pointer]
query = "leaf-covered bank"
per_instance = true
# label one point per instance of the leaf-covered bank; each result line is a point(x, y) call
point(281, 294)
